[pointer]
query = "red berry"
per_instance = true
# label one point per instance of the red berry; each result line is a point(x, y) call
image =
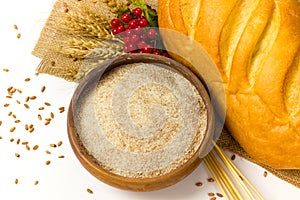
point(142, 44)
point(143, 36)
point(126, 39)
point(114, 31)
point(137, 12)
point(152, 33)
point(115, 22)
point(147, 49)
point(131, 47)
point(133, 23)
point(165, 54)
point(120, 28)
point(138, 30)
point(143, 22)
point(134, 38)
point(125, 48)
point(125, 18)
point(129, 32)
point(156, 52)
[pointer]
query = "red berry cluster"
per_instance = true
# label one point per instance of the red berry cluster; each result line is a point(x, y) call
point(137, 36)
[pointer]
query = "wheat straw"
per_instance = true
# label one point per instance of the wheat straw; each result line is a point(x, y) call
point(221, 184)
point(224, 177)
point(227, 186)
point(237, 173)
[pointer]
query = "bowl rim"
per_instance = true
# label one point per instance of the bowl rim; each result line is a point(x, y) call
point(129, 183)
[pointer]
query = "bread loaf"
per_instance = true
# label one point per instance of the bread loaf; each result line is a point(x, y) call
point(256, 47)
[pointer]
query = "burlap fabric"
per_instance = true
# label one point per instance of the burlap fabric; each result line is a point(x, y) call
point(57, 64)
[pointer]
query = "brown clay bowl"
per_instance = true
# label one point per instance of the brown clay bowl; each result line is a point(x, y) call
point(138, 184)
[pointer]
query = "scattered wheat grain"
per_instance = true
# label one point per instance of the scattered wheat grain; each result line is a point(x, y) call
point(48, 119)
point(89, 191)
point(35, 147)
point(59, 143)
point(43, 89)
point(265, 173)
point(219, 195)
point(210, 180)
point(232, 157)
point(48, 162)
point(27, 79)
point(12, 129)
point(199, 184)
point(53, 145)
point(61, 109)
point(47, 104)
point(48, 152)
point(26, 106)
point(17, 155)
point(211, 194)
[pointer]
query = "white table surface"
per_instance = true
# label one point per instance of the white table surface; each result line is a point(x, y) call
point(66, 178)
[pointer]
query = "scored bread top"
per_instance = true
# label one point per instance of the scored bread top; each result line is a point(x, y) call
point(256, 47)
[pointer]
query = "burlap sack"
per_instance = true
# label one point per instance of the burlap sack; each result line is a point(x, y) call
point(57, 64)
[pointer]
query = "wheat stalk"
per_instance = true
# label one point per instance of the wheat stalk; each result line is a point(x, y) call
point(113, 5)
point(107, 49)
point(87, 24)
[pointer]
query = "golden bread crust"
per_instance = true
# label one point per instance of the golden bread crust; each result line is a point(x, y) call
point(256, 47)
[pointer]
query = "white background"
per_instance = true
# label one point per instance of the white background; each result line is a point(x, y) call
point(66, 178)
